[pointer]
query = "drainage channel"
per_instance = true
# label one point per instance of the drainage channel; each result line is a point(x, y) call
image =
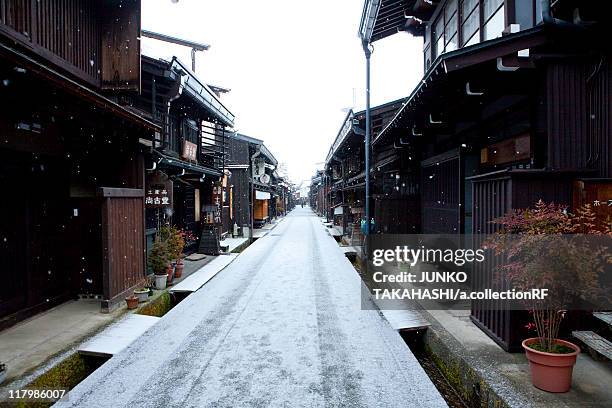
point(414, 339)
point(67, 370)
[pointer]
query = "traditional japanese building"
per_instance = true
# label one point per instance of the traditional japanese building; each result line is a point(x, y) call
point(345, 171)
point(259, 194)
point(317, 193)
point(188, 155)
point(513, 107)
point(72, 158)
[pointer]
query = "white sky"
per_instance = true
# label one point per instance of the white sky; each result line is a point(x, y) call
point(291, 66)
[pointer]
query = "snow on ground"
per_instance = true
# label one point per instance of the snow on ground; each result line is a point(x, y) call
point(281, 326)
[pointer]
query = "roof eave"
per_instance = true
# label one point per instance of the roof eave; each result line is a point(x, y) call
point(203, 94)
point(450, 61)
point(368, 19)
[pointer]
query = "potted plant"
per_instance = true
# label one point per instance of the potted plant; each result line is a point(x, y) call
point(142, 293)
point(170, 236)
point(132, 302)
point(158, 259)
point(180, 239)
point(547, 247)
point(170, 267)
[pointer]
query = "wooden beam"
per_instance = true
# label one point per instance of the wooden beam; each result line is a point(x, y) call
point(120, 192)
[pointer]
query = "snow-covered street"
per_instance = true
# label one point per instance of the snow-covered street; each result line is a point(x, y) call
point(280, 326)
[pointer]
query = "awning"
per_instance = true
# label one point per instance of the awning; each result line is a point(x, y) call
point(460, 59)
point(166, 160)
point(262, 195)
point(387, 160)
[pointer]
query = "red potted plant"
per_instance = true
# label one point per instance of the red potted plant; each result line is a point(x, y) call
point(132, 302)
point(169, 272)
point(179, 245)
point(167, 236)
point(547, 247)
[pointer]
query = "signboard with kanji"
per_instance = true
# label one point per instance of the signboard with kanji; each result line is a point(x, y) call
point(158, 193)
point(190, 151)
point(259, 167)
point(598, 194)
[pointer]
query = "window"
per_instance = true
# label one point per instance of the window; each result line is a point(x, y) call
point(494, 24)
point(450, 30)
point(445, 29)
point(439, 36)
point(190, 130)
point(470, 22)
point(490, 7)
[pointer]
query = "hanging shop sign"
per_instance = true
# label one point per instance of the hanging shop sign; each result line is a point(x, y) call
point(597, 194)
point(262, 195)
point(356, 210)
point(259, 167)
point(264, 178)
point(190, 151)
point(159, 191)
point(217, 200)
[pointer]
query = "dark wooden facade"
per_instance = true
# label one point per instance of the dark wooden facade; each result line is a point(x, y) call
point(98, 43)
point(66, 139)
point(393, 188)
point(513, 108)
point(246, 209)
point(239, 164)
point(318, 193)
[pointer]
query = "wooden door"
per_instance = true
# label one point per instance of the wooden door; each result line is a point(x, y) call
point(441, 194)
point(123, 242)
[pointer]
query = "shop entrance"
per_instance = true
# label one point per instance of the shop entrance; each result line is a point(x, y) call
point(32, 234)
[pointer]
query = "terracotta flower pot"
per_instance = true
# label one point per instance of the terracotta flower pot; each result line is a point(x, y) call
point(170, 272)
point(178, 271)
point(132, 302)
point(551, 372)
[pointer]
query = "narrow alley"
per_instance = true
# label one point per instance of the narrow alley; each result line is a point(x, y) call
point(280, 326)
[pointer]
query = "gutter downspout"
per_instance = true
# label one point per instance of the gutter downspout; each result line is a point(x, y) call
point(172, 96)
point(368, 53)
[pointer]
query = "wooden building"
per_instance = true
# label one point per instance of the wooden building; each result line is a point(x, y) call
point(189, 151)
point(259, 194)
point(513, 107)
point(71, 161)
point(345, 176)
point(317, 193)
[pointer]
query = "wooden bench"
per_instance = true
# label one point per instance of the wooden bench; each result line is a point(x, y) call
point(595, 343)
point(605, 317)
